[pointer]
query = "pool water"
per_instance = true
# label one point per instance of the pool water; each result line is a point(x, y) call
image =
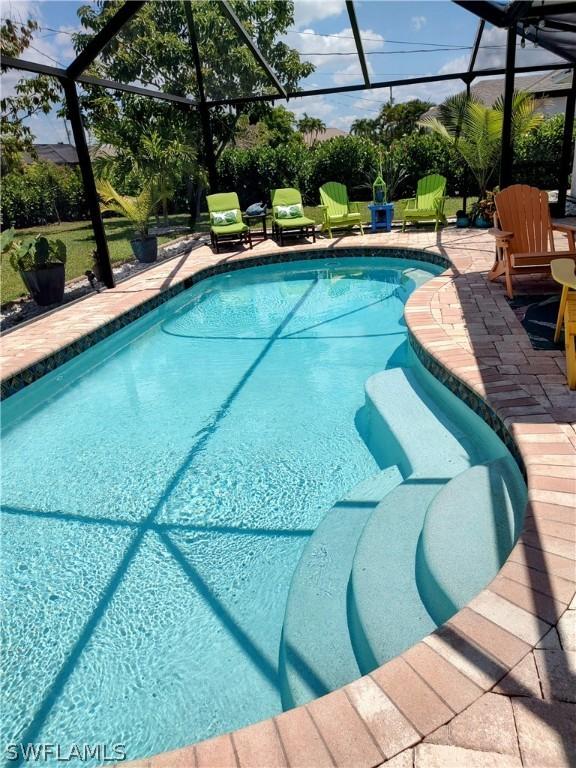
point(158, 490)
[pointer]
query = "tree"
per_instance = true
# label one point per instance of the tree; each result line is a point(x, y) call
point(393, 121)
point(280, 124)
point(401, 119)
point(31, 97)
point(366, 128)
point(313, 126)
point(154, 49)
point(162, 161)
point(475, 130)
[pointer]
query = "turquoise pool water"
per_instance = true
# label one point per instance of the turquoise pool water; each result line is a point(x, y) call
point(158, 490)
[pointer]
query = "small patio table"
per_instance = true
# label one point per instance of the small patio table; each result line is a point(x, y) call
point(381, 216)
point(252, 220)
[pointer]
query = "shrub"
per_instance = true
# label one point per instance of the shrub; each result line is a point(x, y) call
point(537, 154)
point(253, 173)
point(424, 153)
point(351, 160)
point(41, 193)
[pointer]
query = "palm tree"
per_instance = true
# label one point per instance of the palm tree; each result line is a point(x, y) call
point(136, 208)
point(365, 127)
point(475, 130)
point(311, 125)
point(165, 161)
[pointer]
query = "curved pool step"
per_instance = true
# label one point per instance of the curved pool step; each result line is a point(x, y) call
point(316, 654)
point(404, 421)
point(468, 532)
point(403, 424)
point(386, 612)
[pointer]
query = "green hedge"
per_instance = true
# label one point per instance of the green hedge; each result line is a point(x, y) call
point(42, 193)
point(423, 153)
point(350, 160)
point(537, 155)
point(252, 173)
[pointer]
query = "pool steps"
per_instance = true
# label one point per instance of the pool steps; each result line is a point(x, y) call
point(335, 627)
point(315, 630)
point(383, 565)
point(487, 500)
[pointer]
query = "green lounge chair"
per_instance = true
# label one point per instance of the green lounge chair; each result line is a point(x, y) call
point(338, 212)
point(290, 224)
point(226, 202)
point(428, 205)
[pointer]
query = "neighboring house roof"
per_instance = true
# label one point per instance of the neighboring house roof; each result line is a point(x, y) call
point(65, 154)
point(61, 154)
point(489, 90)
point(329, 133)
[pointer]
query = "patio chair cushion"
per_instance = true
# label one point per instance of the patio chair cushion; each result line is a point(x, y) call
point(286, 196)
point(295, 223)
point(289, 211)
point(229, 229)
point(221, 218)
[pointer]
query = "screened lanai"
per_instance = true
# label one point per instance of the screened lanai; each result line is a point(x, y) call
point(302, 503)
point(511, 39)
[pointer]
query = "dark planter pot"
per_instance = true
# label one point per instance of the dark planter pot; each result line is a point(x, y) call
point(145, 249)
point(481, 223)
point(462, 221)
point(46, 286)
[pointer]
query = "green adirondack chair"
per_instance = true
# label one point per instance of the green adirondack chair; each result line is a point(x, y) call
point(220, 203)
point(282, 225)
point(339, 213)
point(428, 205)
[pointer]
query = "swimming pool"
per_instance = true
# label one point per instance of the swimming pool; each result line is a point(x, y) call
point(161, 491)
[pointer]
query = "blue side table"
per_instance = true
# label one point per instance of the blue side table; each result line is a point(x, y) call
point(381, 214)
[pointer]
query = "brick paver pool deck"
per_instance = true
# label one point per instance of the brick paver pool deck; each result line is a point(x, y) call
point(494, 687)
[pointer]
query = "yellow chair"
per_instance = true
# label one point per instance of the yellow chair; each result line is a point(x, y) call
point(564, 272)
point(570, 337)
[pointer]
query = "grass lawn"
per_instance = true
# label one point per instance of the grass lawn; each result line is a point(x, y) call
point(78, 237)
point(79, 241)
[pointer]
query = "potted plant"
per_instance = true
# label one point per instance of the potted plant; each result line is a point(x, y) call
point(138, 210)
point(483, 211)
point(462, 219)
point(40, 262)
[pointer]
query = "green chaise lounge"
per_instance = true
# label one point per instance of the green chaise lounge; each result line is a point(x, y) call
point(428, 205)
point(339, 213)
point(288, 215)
point(226, 221)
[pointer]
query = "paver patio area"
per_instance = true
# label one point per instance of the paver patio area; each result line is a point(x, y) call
point(495, 687)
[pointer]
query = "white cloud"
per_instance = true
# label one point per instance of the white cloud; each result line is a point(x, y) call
point(47, 47)
point(344, 121)
point(307, 11)
point(351, 74)
point(492, 52)
point(322, 50)
point(315, 106)
point(433, 92)
point(418, 22)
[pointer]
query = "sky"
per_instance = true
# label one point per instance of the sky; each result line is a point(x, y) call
point(405, 38)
